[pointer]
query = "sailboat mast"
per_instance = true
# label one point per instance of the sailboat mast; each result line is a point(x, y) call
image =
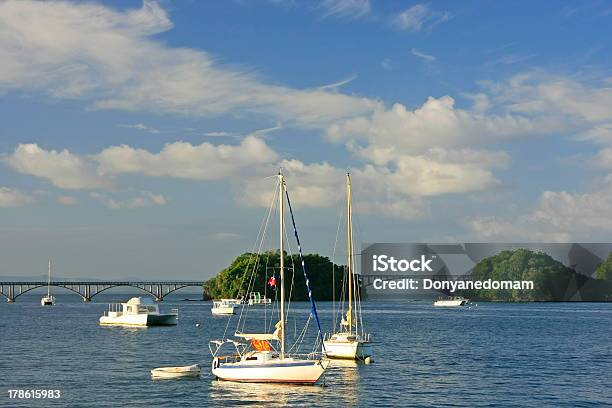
point(349, 315)
point(281, 211)
point(49, 280)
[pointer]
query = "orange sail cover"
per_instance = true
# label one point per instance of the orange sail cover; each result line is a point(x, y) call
point(261, 345)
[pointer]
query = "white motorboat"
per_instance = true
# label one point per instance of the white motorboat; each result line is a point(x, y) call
point(48, 300)
point(138, 311)
point(259, 361)
point(350, 341)
point(456, 301)
point(256, 298)
point(224, 306)
point(176, 372)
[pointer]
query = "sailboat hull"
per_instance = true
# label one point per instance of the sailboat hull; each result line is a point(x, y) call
point(351, 350)
point(279, 371)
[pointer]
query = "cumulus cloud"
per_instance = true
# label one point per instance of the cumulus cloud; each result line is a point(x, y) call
point(559, 216)
point(91, 52)
point(436, 123)
point(62, 168)
point(10, 197)
point(184, 160)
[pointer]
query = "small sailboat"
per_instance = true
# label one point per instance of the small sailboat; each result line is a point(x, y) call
point(350, 341)
point(258, 360)
point(48, 300)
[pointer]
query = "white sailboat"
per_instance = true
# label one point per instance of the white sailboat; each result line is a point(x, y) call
point(350, 341)
point(48, 300)
point(259, 361)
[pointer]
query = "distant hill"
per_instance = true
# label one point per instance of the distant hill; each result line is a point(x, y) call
point(553, 281)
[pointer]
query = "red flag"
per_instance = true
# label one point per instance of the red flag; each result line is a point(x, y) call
point(272, 281)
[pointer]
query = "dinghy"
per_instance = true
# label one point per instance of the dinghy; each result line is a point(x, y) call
point(176, 372)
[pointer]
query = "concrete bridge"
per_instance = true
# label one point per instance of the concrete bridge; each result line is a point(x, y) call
point(87, 290)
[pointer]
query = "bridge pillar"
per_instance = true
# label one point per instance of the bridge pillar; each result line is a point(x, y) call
point(11, 296)
point(87, 296)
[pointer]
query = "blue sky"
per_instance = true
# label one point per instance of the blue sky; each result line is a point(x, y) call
point(135, 138)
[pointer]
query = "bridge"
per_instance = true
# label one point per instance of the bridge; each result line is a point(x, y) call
point(88, 289)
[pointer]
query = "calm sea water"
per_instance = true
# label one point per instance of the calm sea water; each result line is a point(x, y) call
point(491, 355)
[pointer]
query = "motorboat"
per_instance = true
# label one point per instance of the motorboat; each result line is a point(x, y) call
point(224, 306)
point(456, 301)
point(255, 298)
point(138, 311)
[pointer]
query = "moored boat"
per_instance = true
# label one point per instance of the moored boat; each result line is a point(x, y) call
point(224, 306)
point(257, 360)
point(456, 301)
point(48, 300)
point(351, 340)
point(176, 372)
point(138, 311)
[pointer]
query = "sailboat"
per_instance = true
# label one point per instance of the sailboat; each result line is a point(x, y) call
point(258, 361)
point(350, 341)
point(48, 300)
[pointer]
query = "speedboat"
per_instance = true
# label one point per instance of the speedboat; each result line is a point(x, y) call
point(451, 302)
point(138, 311)
point(224, 306)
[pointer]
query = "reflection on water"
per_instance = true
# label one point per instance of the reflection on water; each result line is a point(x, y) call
point(495, 354)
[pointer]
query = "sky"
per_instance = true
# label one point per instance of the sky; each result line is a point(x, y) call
point(137, 138)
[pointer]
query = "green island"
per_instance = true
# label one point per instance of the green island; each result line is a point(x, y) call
point(552, 280)
point(232, 281)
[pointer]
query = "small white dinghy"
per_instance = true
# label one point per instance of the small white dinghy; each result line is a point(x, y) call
point(176, 372)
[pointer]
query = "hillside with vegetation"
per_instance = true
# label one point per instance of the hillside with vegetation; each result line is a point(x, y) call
point(552, 280)
point(232, 281)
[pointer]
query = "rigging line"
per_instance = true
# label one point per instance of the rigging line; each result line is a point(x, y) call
point(260, 239)
point(334, 312)
point(299, 246)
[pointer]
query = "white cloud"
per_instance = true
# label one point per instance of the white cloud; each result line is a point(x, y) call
point(141, 126)
point(345, 8)
point(62, 168)
point(184, 160)
point(91, 52)
point(419, 17)
point(436, 123)
point(145, 199)
point(559, 216)
point(537, 94)
point(422, 55)
point(67, 200)
point(10, 197)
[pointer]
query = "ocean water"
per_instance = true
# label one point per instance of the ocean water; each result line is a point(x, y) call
point(494, 354)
